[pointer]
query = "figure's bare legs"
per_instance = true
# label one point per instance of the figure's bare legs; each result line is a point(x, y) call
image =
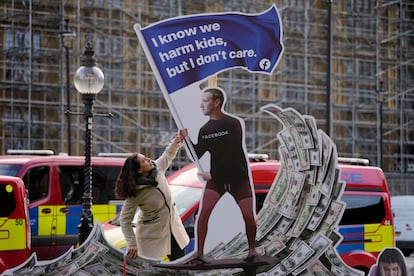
point(210, 199)
point(246, 207)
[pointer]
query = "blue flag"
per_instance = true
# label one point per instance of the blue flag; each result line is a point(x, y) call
point(188, 49)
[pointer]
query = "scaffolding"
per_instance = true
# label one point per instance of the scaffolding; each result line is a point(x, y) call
point(371, 77)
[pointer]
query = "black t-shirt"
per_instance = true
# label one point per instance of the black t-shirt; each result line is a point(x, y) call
point(224, 140)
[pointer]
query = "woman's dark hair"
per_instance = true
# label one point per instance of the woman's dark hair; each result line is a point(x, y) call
point(126, 182)
point(392, 255)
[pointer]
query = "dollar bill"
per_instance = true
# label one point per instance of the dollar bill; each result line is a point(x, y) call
point(312, 198)
point(315, 153)
point(318, 269)
point(99, 269)
point(290, 138)
point(278, 189)
point(302, 221)
point(268, 225)
point(319, 243)
point(289, 117)
point(273, 247)
point(319, 213)
point(334, 214)
point(326, 151)
point(288, 207)
point(311, 175)
point(81, 272)
point(339, 186)
point(283, 224)
point(331, 177)
point(295, 259)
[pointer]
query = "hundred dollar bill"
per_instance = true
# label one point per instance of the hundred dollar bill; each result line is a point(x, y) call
point(319, 243)
point(237, 244)
point(273, 247)
point(285, 160)
point(99, 269)
point(330, 178)
point(311, 175)
point(290, 138)
point(293, 260)
point(326, 151)
point(302, 221)
point(298, 121)
point(318, 269)
point(68, 269)
point(94, 248)
point(290, 117)
point(315, 153)
point(333, 216)
point(278, 189)
point(264, 228)
point(339, 186)
point(283, 224)
point(296, 182)
point(319, 213)
point(312, 198)
point(81, 272)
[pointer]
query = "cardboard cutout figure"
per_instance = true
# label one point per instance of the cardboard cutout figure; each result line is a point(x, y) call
point(390, 262)
point(223, 138)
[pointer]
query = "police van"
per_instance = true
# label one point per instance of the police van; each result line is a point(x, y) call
point(55, 189)
point(14, 223)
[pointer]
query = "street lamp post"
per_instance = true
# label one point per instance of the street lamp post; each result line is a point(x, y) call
point(89, 81)
point(380, 93)
point(65, 35)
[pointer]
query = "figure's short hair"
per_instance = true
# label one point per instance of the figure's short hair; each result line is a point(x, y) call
point(216, 93)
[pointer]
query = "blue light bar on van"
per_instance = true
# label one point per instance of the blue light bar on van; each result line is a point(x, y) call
point(29, 152)
point(353, 161)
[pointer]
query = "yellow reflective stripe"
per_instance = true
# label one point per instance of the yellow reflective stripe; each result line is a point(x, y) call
point(45, 220)
point(60, 223)
point(378, 236)
point(13, 235)
point(103, 212)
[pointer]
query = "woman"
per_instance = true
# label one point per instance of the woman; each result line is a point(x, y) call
point(142, 184)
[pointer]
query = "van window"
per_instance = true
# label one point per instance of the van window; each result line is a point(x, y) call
point(36, 181)
point(10, 170)
point(7, 200)
point(363, 209)
point(103, 183)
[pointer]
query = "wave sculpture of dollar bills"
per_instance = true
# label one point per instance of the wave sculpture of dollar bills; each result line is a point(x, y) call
point(298, 222)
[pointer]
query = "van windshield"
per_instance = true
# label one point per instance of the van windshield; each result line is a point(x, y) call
point(9, 169)
point(363, 209)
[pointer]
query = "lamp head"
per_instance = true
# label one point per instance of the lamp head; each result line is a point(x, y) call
point(89, 79)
